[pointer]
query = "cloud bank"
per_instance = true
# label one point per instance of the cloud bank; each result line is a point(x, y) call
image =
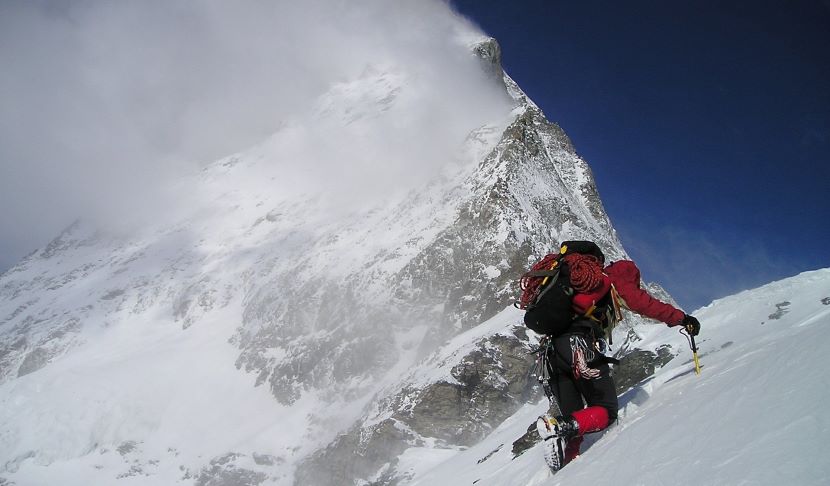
point(102, 102)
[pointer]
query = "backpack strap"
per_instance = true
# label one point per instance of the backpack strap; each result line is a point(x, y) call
point(550, 286)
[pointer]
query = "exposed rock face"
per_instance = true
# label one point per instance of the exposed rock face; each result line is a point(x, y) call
point(491, 383)
point(360, 453)
point(484, 387)
point(638, 365)
point(223, 472)
point(529, 439)
point(489, 52)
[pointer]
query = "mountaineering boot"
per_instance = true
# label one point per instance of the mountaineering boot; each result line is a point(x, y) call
point(556, 432)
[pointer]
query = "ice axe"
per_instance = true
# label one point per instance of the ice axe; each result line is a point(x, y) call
point(691, 338)
point(694, 353)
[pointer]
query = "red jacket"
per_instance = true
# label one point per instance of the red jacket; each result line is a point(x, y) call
point(625, 276)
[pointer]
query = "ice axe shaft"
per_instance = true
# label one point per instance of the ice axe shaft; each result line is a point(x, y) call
point(694, 353)
point(691, 338)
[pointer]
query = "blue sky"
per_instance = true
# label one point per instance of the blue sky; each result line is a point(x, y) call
point(707, 126)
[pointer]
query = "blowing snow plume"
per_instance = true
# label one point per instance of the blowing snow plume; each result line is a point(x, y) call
point(104, 104)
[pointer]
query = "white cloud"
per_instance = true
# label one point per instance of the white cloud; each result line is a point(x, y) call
point(104, 101)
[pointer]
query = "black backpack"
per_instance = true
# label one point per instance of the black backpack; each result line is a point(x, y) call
point(547, 295)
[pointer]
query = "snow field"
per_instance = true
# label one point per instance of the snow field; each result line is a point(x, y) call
point(754, 415)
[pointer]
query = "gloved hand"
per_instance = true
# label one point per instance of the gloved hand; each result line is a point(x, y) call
point(691, 324)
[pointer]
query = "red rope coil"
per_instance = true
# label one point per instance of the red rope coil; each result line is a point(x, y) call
point(530, 285)
point(585, 271)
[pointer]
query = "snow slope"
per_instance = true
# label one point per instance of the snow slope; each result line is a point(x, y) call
point(754, 415)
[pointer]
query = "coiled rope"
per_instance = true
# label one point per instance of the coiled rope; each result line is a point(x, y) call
point(585, 271)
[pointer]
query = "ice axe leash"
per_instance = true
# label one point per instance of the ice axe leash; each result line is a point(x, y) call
point(691, 338)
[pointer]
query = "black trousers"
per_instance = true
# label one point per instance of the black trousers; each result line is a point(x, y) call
point(575, 394)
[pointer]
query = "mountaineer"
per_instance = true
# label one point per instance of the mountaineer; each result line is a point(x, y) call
point(574, 303)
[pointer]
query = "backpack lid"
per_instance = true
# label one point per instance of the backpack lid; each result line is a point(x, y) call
point(585, 247)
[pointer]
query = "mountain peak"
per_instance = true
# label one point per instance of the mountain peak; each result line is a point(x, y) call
point(288, 281)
